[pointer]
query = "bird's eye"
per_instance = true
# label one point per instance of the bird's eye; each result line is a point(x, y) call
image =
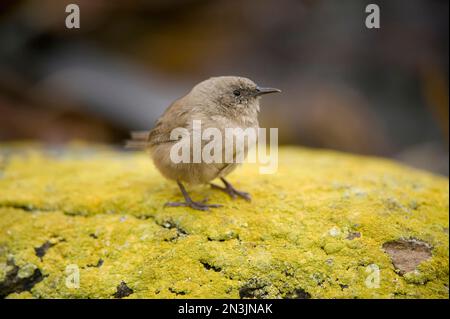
point(236, 92)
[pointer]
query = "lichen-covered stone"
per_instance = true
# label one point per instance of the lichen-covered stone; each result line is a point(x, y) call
point(315, 229)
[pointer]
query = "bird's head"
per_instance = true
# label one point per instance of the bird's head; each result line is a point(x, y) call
point(232, 93)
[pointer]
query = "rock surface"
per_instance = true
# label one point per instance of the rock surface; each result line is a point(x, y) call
point(326, 225)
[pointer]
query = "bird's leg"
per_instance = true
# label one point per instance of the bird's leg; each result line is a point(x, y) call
point(189, 202)
point(230, 190)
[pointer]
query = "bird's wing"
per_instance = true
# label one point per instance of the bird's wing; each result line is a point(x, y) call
point(176, 115)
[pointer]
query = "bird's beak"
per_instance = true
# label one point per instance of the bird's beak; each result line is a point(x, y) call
point(262, 91)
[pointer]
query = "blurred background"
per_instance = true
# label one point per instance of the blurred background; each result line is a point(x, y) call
point(379, 92)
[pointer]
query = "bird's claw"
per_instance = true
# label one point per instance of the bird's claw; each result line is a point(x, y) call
point(234, 193)
point(194, 205)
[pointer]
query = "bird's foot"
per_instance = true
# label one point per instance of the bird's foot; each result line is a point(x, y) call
point(194, 205)
point(233, 192)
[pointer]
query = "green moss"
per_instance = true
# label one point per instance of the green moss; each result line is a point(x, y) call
point(26, 271)
point(102, 211)
point(22, 295)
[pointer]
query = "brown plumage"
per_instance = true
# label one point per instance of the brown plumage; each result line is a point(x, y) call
point(219, 102)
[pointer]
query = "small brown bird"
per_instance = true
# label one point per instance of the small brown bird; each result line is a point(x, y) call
point(219, 102)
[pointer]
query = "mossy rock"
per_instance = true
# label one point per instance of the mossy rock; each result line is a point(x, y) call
point(326, 225)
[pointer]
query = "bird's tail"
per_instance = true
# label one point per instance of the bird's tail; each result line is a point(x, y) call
point(139, 140)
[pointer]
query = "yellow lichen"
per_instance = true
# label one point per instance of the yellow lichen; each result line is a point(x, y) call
point(314, 229)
